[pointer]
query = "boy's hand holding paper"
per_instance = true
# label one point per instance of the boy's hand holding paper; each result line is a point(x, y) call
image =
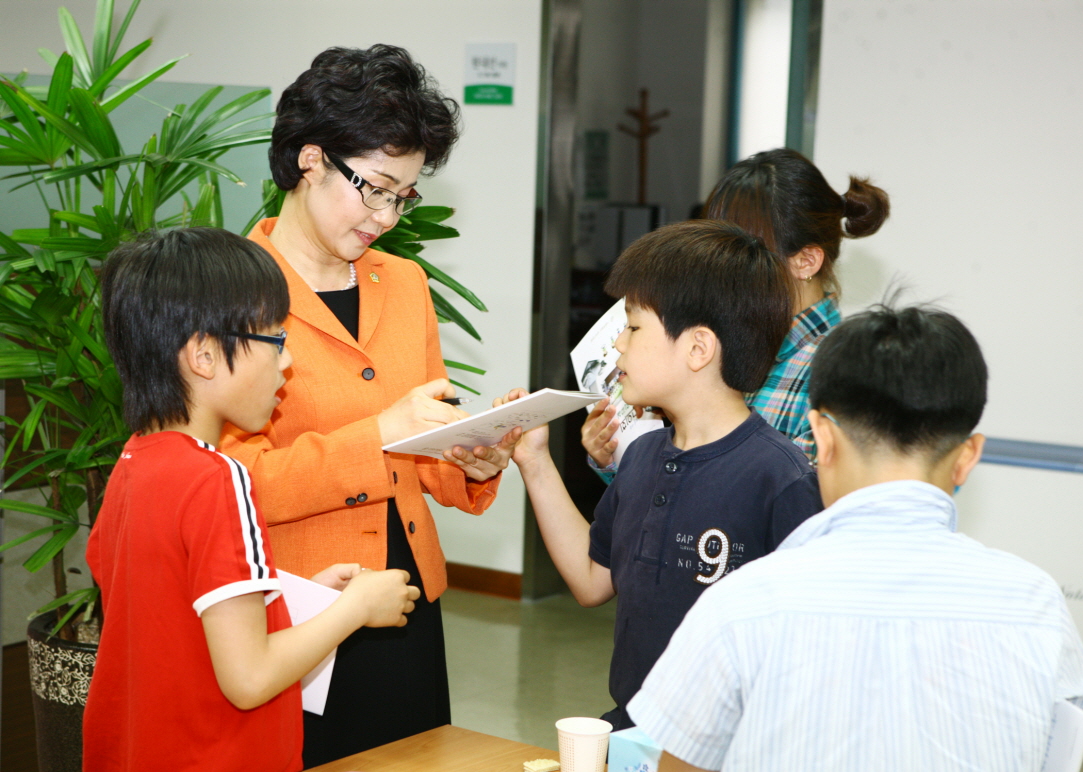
point(534, 443)
point(381, 598)
point(371, 598)
point(485, 462)
point(599, 433)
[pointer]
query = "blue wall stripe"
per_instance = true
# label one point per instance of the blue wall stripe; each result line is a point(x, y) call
point(1036, 455)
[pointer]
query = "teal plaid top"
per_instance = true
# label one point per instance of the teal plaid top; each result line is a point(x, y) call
point(783, 398)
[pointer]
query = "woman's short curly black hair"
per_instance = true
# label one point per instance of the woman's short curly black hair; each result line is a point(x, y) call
point(351, 102)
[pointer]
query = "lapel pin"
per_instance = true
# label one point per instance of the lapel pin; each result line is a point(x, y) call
point(375, 278)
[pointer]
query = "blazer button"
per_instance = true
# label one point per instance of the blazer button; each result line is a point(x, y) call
point(368, 373)
point(660, 499)
point(671, 466)
point(412, 526)
point(351, 501)
point(362, 498)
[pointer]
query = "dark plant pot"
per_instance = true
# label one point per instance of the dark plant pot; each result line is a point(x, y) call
point(59, 679)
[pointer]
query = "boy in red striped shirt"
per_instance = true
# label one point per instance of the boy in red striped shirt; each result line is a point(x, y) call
point(198, 666)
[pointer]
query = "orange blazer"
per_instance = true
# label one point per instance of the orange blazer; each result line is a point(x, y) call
point(322, 479)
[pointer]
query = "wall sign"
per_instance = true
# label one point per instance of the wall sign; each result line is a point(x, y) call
point(490, 74)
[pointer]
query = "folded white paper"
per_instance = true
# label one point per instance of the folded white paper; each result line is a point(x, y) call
point(305, 599)
point(489, 427)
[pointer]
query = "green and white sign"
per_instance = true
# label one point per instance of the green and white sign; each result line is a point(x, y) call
point(490, 74)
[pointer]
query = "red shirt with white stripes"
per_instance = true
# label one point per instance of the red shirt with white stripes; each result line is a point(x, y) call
point(179, 531)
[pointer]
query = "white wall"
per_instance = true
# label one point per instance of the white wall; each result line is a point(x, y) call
point(968, 114)
point(490, 178)
point(672, 65)
point(716, 76)
point(765, 76)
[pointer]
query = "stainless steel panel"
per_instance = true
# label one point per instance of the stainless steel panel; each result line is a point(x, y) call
point(556, 239)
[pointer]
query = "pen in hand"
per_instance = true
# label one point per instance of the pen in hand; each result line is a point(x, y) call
point(456, 401)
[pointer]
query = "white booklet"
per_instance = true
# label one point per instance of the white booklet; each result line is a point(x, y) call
point(305, 599)
point(489, 427)
point(1065, 750)
point(594, 360)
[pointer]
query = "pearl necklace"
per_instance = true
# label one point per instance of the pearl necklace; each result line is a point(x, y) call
point(349, 285)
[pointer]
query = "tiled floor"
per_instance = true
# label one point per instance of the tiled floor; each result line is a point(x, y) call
point(515, 668)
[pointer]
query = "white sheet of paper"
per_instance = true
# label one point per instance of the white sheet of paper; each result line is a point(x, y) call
point(305, 599)
point(488, 427)
point(1065, 752)
point(594, 361)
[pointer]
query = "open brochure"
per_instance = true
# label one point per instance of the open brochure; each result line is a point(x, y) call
point(305, 599)
point(489, 427)
point(594, 361)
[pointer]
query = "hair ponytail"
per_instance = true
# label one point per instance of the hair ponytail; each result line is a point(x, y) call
point(780, 196)
point(864, 208)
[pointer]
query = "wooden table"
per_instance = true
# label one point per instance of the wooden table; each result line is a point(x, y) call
point(444, 749)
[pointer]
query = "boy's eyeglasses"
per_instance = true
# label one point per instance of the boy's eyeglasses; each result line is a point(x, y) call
point(376, 198)
point(276, 340)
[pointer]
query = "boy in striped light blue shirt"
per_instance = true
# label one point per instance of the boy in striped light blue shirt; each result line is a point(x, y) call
point(875, 637)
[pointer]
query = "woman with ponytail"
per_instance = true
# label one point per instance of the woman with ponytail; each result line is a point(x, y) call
point(780, 196)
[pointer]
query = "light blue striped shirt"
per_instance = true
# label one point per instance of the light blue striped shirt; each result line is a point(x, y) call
point(874, 638)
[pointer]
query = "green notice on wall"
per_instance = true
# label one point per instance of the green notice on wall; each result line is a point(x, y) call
point(488, 94)
point(490, 74)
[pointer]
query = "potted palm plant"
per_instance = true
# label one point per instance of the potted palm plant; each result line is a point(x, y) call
point(96, 193)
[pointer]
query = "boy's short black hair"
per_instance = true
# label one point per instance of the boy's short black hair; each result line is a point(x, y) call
point(714, 274)
point(353, 101)
point(161, 289)
point(913, 379)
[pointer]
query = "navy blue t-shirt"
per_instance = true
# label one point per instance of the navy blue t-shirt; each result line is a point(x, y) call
point(676, 521)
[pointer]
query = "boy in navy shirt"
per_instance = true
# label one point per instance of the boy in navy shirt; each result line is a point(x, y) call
point(708, 307)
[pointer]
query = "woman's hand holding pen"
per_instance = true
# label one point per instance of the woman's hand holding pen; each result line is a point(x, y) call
point(419, 410)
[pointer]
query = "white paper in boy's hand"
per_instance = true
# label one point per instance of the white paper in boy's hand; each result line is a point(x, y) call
point(594, 361)
point(305, 599)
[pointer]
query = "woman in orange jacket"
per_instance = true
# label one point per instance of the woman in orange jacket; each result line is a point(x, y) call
point(351, 137)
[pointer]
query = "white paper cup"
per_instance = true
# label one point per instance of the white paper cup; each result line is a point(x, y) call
point(583, 744)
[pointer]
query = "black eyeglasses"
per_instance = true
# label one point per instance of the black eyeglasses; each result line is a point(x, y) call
point(376, 198)
point(276, 340)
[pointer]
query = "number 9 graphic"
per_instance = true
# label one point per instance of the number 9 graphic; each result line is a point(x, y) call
point(713, 541)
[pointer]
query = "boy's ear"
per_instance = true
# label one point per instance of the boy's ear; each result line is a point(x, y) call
point(200, 356)
point(967, 459)
point(703, 348)
point(823, 431)
point(806, 263)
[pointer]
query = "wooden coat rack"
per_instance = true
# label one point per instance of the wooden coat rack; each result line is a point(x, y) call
point(644, 130)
